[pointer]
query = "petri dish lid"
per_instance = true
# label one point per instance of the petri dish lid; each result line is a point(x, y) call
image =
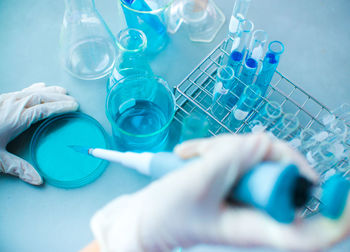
point(56, 162)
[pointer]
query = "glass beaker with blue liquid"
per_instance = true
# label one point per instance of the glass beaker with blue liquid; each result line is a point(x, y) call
point(149, 17)
point(131, 59)
point(140, 110)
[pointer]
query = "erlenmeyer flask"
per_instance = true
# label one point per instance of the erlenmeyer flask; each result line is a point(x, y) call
point(87, 45)
point(131, 59)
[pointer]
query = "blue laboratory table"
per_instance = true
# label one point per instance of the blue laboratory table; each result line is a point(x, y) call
point(316, 35)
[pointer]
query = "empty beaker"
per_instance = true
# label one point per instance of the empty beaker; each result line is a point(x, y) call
point(131, 59)
point(87, 46)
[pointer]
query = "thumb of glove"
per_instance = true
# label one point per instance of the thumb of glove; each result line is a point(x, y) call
point(16, 166)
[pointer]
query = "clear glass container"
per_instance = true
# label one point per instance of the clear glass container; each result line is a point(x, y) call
point(131, 59)
point(151, 17)
point(87, 46)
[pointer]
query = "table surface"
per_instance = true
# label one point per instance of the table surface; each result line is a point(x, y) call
point(315, 33)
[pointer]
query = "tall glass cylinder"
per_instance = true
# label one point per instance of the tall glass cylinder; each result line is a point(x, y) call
point(87, 46)
point(255, 53)
point(270, 63)
point(245, 105)
point(131, 59)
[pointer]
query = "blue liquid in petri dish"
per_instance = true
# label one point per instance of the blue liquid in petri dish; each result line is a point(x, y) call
point(140, 123)
point(59, 164)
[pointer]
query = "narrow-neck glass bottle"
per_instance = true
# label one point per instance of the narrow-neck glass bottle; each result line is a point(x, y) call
point(131, 59)
point(87, 46)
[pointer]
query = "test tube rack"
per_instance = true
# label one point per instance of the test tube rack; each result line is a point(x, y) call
point(194, 95)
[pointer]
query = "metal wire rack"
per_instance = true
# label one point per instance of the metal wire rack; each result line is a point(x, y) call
point(195, 93)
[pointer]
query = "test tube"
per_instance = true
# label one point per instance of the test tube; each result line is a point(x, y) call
point(241, 44)
point(254, 126)
point(321, 157)
point(285, 128)
point(240, 10)
point(194, 126)
point(269, 114)
point(222, 96)
point(256, 50)
point(308, 140)
point(270, 63)
point(239, 13)
point(251, 95)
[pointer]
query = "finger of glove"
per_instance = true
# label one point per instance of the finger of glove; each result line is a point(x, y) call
point(197, 147)
point(41, 111)
point(250, 227)
point(16, 166)
point(43, 97)
point(34, 86)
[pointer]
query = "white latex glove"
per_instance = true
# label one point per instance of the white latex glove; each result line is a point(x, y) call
point(18, 110)
point(187, 207)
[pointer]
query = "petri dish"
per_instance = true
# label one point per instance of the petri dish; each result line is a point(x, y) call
point(56, 162)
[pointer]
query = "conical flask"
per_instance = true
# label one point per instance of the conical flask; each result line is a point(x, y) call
point(131, 59)
point(87, 46)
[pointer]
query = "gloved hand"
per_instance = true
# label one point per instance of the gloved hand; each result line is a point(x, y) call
point(18, 110)
point(187, 207)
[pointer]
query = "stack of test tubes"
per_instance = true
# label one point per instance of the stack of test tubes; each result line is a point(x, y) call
point(238, 89)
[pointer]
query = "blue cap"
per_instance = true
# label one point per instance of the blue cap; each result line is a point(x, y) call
point(334, 196)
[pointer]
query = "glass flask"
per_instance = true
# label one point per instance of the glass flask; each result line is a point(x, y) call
point(203, 19)
point(87, 46)
point(150, 17)
point(131, 59)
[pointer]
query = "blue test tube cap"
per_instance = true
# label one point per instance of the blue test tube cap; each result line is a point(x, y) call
point(236, 56)
point(251, 63)
point(334, 196)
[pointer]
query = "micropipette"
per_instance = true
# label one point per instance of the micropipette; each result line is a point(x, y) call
point(285, 189)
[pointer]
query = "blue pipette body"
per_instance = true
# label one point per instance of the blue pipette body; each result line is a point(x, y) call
point(274, 188)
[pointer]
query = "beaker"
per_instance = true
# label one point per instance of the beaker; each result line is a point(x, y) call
point(87, 46)
point(140, 110)
point(149, 17)
point(131, 59)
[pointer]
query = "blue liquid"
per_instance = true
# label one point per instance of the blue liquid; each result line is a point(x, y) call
point(140, 120)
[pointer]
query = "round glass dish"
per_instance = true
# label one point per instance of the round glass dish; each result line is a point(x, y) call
point(59, 164)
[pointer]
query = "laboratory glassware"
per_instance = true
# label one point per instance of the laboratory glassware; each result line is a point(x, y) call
point(195, 92)
point(239, 13)
point(202, 19)
point(222, 97)
point(286, 126)
point(131, 59)
point(246, 103)
point(88, 48)
point(270, 63)
point(254, 126)
point(269, 114)
point(194, 126)
point(307, 140)
point(149, 17)
point(55, 161)
point(140, 110)
point(255, 53)
point(240, 45)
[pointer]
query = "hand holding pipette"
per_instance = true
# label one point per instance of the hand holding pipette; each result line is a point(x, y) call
point(186, 207)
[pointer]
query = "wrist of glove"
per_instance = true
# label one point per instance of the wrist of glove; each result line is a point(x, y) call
point(187, 207)
point(18, 110)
